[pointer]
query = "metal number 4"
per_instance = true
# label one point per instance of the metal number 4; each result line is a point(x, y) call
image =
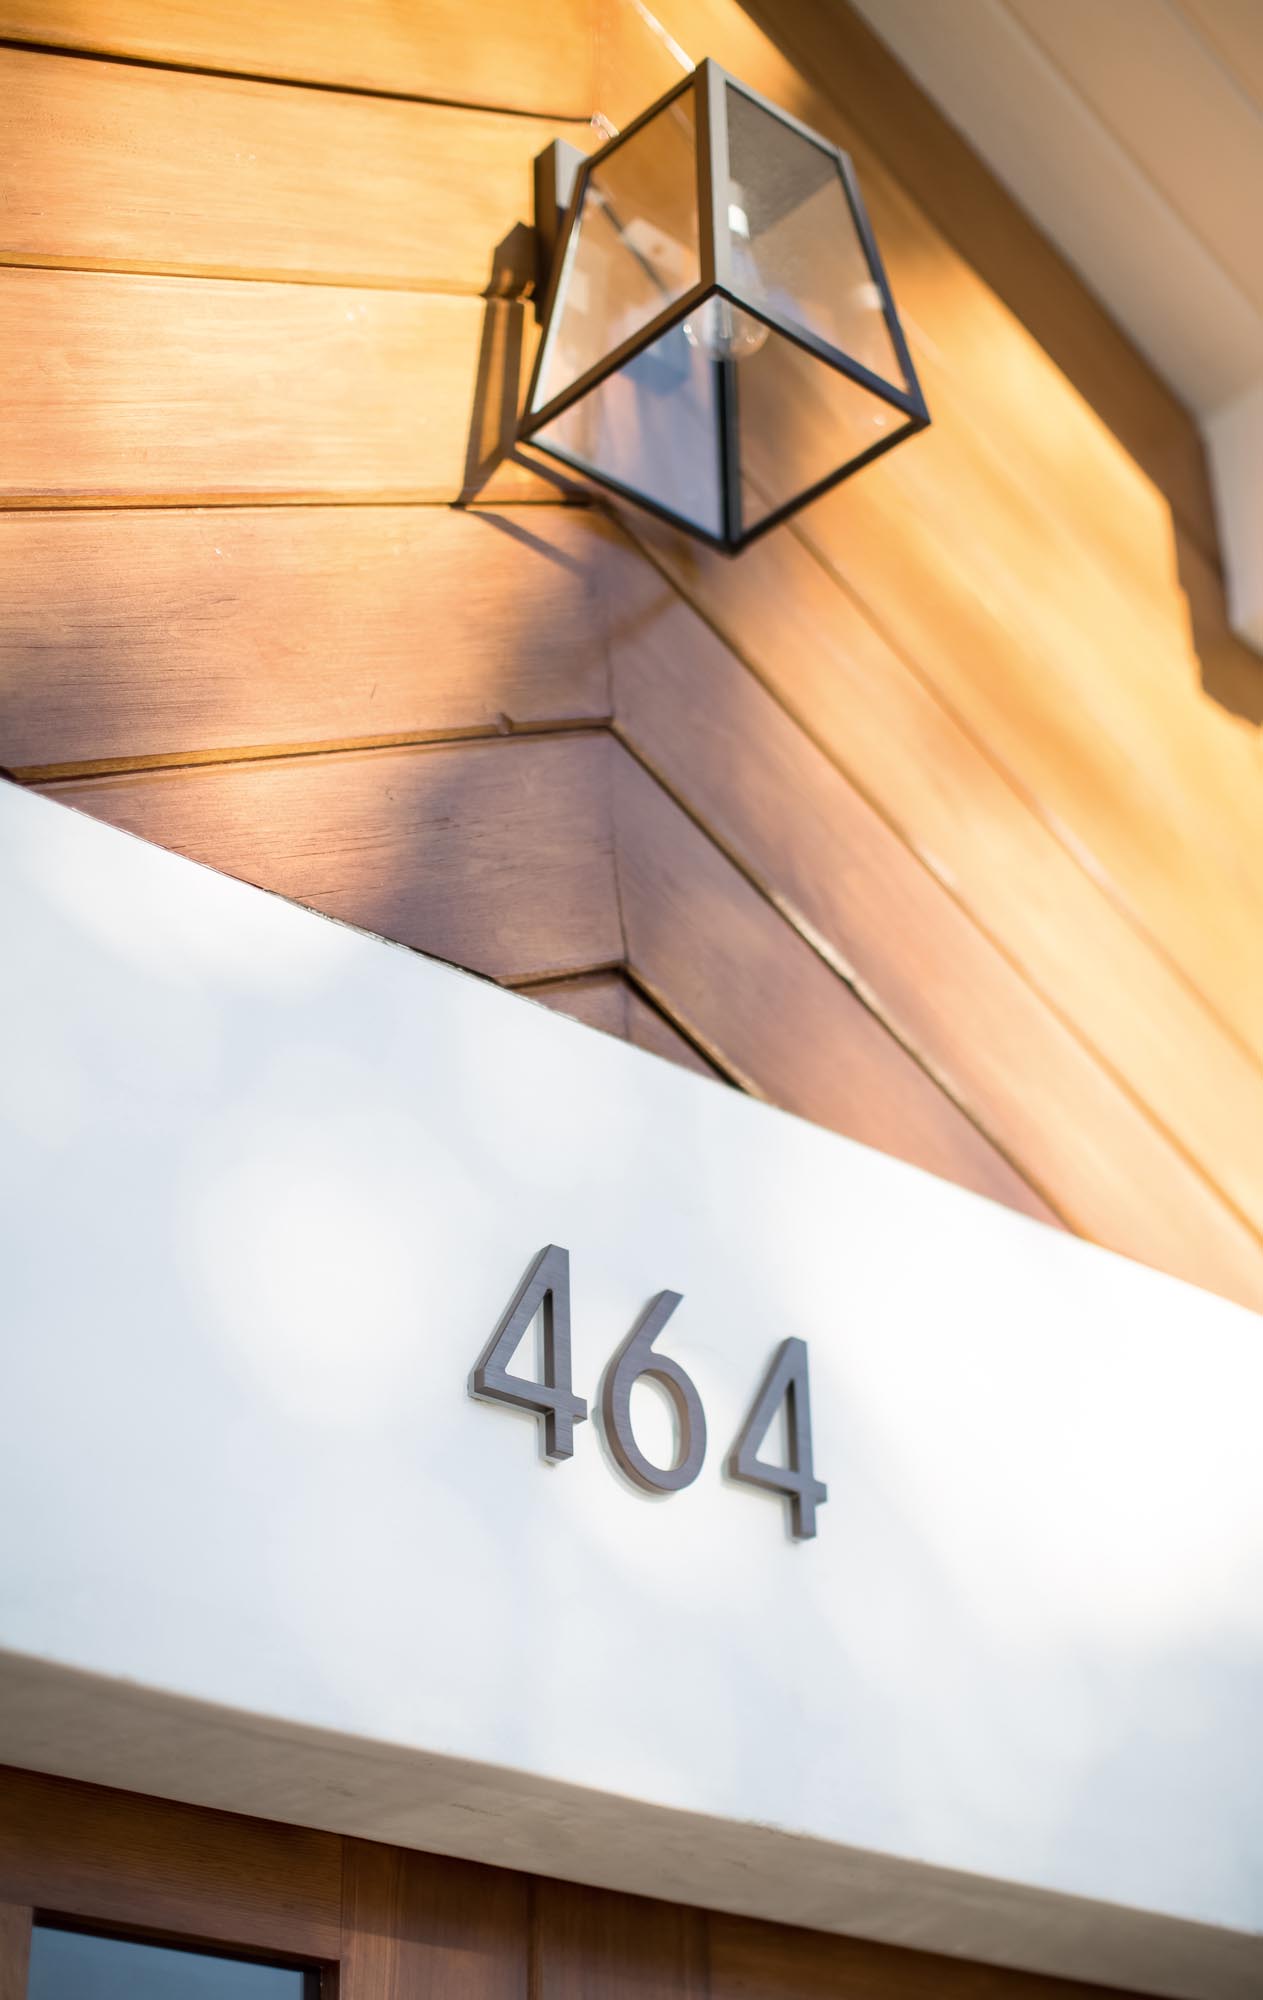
point(546, 1285)
point(785, 1382)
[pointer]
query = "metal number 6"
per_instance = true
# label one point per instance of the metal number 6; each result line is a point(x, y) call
point(634, 1359)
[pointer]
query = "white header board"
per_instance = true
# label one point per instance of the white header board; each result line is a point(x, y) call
point(268, 1187)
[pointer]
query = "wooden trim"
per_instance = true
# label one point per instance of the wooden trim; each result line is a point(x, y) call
point(117, 167)
point(420, 1927)
point(113, 1857)
point(394, 1924)
point(15, 1949)
point(758, 1961)
point(590, 1944)
point(611, 1002)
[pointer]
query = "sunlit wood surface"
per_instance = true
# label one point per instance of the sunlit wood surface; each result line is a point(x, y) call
point(936, 817)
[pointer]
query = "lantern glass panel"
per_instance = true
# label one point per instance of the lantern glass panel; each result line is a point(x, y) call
point(634, 247)
point(652, 428)
point(798, 420)
point(793, 244)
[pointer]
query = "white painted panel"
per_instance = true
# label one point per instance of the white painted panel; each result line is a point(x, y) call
point(266, 1185)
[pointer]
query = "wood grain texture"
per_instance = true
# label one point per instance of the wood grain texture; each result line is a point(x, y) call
point(419, 1927)
point(136, 388)
point(995, 237)
point(1026, 488)
point(834, 868)
point(497, 856)
point(130, 636)
point(758, 1961)
point(588, 1944)
point(117, 1858)
point(518, 59)
point(1104, 729)
point(751, 993)
point(117, 167)
point(15, 1949)
point(935, 785)
point(608, 1001)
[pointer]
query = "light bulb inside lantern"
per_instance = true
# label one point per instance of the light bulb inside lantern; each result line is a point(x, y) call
point(724, 332)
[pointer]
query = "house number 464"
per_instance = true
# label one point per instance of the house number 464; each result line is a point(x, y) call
point(546, 1288)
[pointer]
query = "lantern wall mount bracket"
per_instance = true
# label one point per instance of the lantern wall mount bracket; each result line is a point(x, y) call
point(719, 341)
point(556, 172)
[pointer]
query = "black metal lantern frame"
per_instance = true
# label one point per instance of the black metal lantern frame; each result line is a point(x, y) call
point(717, 280)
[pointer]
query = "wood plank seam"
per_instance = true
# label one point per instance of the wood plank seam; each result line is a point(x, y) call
point(1101, 878)
point(866, 998)
point(360, 281)
point(256, 753)
point(88, 53)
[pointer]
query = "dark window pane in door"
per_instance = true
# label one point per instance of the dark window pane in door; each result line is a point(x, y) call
point(72, 1965)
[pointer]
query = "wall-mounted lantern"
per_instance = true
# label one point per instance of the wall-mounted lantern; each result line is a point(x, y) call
point(719, 343)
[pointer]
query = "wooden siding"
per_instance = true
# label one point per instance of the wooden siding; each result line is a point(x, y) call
point(917, 819)
point(398, 1925)
point(514, 58)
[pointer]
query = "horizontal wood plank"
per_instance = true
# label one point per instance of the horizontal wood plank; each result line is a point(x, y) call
point(116, 1858)
point(113, 166)
point(929, 779)
point(751, 993)
point(497, 856)
point(516, 58)
point(606, 1000)
point(129, 636)
point(850, 886)
point(119, 388)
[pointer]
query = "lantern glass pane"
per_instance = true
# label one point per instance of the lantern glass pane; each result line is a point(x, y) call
point(652, 428)
point(634, 249)
point(793, 243)
point(799, 420)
